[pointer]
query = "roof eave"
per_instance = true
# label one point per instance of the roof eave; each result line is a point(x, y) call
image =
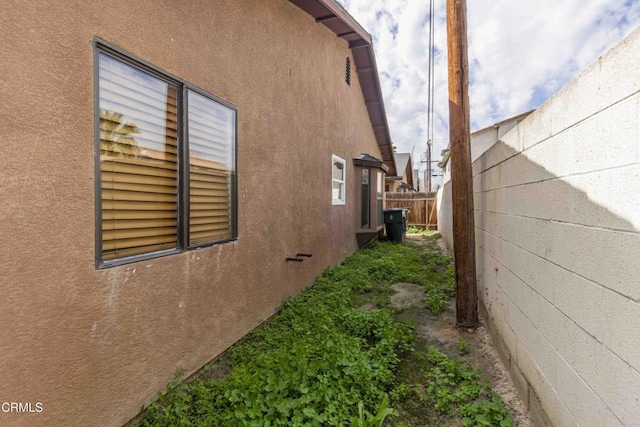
point(337, 19)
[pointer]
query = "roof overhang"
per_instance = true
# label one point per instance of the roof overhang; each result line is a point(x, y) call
point(333, 16)
point(367, 160)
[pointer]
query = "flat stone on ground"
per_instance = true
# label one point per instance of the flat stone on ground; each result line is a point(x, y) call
point(407, 295)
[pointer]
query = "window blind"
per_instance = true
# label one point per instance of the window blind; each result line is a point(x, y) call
point(138, 160)
point(211, 133)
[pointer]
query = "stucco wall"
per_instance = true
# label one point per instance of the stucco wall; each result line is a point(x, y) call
point(558, 244)
point(94, 345)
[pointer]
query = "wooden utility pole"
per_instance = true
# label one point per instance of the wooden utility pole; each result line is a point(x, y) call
point(429, 166)
point(461, 177)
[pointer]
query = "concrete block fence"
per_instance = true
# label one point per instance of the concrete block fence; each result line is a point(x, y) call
point(557, 216)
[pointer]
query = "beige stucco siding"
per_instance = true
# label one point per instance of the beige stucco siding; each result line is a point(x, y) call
point(94, 345)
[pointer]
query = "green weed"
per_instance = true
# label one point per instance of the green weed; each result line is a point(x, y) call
point(373, 269)
point(463, 347)
point(322, 361)
point(453, 387)
point(314, 363)
point(412, 229)
point(365, 419)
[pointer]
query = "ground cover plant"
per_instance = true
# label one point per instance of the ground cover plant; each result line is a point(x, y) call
point(453, 386)
point(412, 229)
point(323, 360)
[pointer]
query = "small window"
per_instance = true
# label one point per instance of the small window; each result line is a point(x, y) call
point(151, 128)
point(337, 180)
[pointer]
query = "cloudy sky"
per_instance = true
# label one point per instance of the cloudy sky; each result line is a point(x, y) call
point(520, 53)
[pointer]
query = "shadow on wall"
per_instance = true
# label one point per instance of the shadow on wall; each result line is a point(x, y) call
point(557, 252)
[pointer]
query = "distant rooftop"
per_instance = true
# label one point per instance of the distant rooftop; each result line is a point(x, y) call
point(401, 162)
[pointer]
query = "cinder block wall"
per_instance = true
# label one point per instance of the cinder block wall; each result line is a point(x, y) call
point(557, 203)
point(445, 218)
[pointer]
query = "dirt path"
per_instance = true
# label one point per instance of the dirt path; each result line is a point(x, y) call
point(439, 331)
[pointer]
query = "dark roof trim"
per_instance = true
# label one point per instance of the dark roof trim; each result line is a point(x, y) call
point(348, 33)
point(333, 16)
point(357, 44)
point(370, 161)
point(326, 18)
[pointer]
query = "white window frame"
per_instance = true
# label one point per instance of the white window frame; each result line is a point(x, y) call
point(343, 182)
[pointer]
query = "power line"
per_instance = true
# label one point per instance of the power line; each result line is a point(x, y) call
point(430, 73)
point(430, 92)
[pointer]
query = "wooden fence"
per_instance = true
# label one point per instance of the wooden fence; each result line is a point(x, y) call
point(422, 208)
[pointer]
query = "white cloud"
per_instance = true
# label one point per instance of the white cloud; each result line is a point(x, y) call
point(520, 53)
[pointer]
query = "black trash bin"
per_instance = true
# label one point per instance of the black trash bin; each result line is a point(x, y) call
point(395, 223)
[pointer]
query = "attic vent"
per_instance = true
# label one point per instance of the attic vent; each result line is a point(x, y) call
point(347, 76)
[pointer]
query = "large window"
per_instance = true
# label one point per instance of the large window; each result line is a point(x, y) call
point(337, 180)
point(165, 163)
